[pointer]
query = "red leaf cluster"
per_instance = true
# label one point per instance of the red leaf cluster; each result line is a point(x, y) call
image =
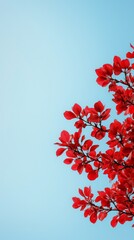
point(117, 162)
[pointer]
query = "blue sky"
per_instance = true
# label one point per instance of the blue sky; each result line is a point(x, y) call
point(48, 53)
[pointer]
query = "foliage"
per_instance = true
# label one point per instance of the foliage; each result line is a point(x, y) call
point(117, 162)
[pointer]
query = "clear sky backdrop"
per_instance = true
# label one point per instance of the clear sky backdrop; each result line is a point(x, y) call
point(49, 50)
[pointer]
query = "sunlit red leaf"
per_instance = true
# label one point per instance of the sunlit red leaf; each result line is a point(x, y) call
point(122, 219)
point(70, 153)
point(98, 134)
point(125, 63)
point(114, 221)
point(60, 151)
point(93, 148)
point(81, 192)
point(87, 212)
point(65, 136)
point(93, 217)
point(87, 191)
point(130, 55)
point(102, 215)
point(99, 107)
point(69, 115)
point(77, 109)
point(68, 160)
point(93, 175)
point(106, 114)
point(87, 144)
point(102, 81)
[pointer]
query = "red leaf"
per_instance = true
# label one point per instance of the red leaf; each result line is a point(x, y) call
point(65, 136)
point(109, 69)
point(87, 144)
point(80, 124)
point(106, 114)
point(102, 215)
point(82, 138)
point(97, 133)
point(94, 118)
point(114, 221)
point(87, 212)
point(130, 55)
point(105, 71)
point(88, 168)
point(69, 115)
point(120, 206)
point(60, 151)
point(120, 108)
point(70, 153)
point(117, 65)
point(98, 198)
point(130, 110)
point(97, 164)
point(94, 147)
point(99, 107)
point(93, 217)
point(103, 82)
point(77, 109)
point(80, 168)
point(92, 154)
point(125, 63)
point(81, 192)
point(76, 203)
point(68, 160)
point(122, 218)
point(92, 175)
point(87, 191)
point(74, 167)
point(117, 60)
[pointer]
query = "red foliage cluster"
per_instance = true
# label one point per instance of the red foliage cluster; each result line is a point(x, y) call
point(117, 162)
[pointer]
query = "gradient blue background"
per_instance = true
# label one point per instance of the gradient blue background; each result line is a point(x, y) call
point(48, 53)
